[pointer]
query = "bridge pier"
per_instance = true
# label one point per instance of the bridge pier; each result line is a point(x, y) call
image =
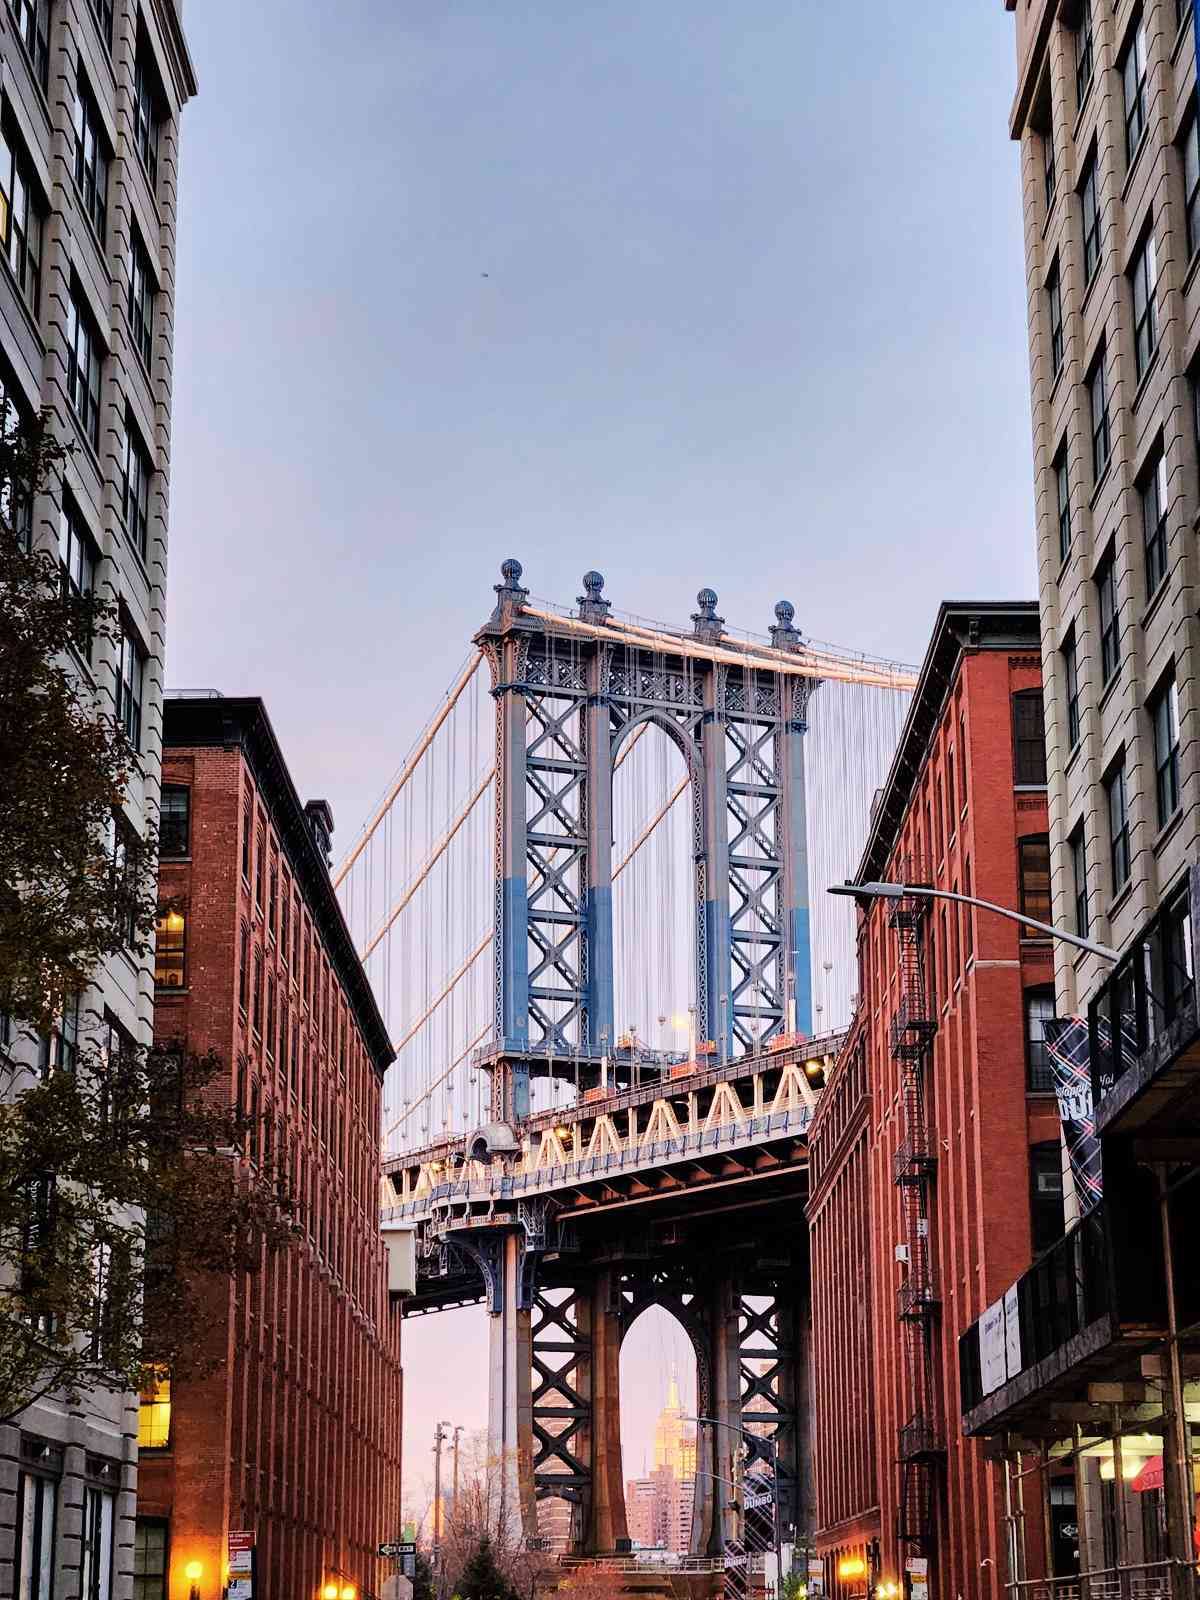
point(510, 1403)
point(607, 1522)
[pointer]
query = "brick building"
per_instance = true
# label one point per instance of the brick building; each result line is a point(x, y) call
point(296, 1435)
point(936, 1167)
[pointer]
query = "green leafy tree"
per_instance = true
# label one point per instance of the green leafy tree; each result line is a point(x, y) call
point(125, 1175)
point(482, 1578)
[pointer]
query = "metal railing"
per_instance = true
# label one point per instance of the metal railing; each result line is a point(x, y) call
point(1151, 991)
point(1152, 1580)
point(918, 1437)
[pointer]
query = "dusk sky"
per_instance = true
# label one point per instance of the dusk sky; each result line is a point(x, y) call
point(697, 294)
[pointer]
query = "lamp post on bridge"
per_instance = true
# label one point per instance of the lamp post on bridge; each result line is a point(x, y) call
point(772, 1444)
point(901, 891)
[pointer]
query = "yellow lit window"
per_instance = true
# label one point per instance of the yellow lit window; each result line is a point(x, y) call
point(170, 944)
point(154, 1414)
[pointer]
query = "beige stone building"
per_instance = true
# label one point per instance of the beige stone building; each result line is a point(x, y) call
point(1105, 113)
point(92, 92)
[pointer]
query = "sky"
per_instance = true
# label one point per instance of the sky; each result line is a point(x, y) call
point(698, 294)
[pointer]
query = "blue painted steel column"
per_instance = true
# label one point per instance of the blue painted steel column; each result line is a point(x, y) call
point(793, 725)
point(798, 954)
point(719, 1021)
point(600, 1035)
point(514, 893)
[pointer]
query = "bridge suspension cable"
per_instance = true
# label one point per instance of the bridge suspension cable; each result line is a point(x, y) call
point(410, 766)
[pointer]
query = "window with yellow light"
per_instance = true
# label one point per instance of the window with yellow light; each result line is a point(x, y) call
point(170, 949)
point(154, 1413)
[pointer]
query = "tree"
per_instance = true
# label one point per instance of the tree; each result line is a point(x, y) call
point(422, 1579)
point(125, 1175)
point(481, 1577)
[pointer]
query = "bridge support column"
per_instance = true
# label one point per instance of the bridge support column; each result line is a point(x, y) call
point(607, 1521)
point(797, 957)
point(510, 1403)
point(718, 1448)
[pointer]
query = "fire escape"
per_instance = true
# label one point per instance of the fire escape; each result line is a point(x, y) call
point(920, 1446)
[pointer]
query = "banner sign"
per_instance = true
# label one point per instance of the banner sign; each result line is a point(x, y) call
point(241, 1564)
point(1070, 1060)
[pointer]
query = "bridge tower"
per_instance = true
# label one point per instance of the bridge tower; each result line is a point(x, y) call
point(569, 693)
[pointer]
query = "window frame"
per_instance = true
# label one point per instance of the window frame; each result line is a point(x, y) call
point(171, 829)
point(1057, 330)
point(1093, 226)
point(1101, 428)
point(1085, 54)
point(1037, 904)
point(1120, 857)
point(22, 217)
point(97, 1542)
point(1023, 741)
point(1062, 490)
point(102, 10)
point(1191, 182)
point(143, 291)
point(129, 668)
point(1077, 845)
point(41, 1585)
point(31, 21)
point(1152, 492)
point(1133, 91)
point(1110, 617)
point(147, 111)
point(1163, 708)
point(78, 554)
point(137, 471)
point(85, 366)
point(91, 175)
point(1045, 1158)
point(140, 1589)
point(1143, 280)
point(1039, 1073)
point(170, 948)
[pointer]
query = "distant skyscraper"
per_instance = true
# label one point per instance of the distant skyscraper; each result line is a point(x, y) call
point(659, 1507)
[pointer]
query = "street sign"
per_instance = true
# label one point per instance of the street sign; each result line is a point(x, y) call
point(404, 1551)
point(755, 1502)
point(537, 1541)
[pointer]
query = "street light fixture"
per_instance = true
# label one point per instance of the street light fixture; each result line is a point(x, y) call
point(193, 1572)
point(901, 891)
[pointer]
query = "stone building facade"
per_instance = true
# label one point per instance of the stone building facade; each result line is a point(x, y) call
point(294, 1437)
point(91, 93)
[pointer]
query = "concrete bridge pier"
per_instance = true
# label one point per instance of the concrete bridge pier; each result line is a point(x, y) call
point(606, 1523)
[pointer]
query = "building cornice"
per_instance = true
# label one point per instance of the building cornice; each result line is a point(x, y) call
point(170, 27)
point(212, 722)
point(962, 627)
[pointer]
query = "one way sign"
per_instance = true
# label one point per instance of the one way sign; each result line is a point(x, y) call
point(403, 1551)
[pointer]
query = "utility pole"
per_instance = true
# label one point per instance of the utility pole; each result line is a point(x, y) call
point(457, 1431)
point(439, 1434)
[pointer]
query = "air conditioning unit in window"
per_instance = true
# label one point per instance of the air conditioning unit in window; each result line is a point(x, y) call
point(902, 1254)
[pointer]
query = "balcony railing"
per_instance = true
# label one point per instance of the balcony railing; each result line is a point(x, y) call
point(919, 1438)
point(1144, 1017)
point(914, 1160)
point(1105, 1273)
point(917, 1296)
point(913, 1026)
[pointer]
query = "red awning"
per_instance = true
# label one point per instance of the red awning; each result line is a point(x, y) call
point(1150, 1477)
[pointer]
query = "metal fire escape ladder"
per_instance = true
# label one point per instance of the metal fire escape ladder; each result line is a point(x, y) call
point(919, 1446)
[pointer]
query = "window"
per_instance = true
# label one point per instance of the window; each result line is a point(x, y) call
point(258, 862)
point(1029, 737)
point(125, 850)
point(131, 664)
point(1054, 300)
point(60, 1049)
point(1089, 199)
point(1084, 53)
point(1097, 385)
point(170, 950)
point(16, 503)
point(141, 300)
point(1154, 524)
point(147, 99)
point(150, 1559)
point(273, 898)
point(1191, 183)
point(243, 969)
point(95, 1568)
point(135, 490)
point(1039, 1010)
point(1049, 170)
point(1133, 80)
point(91, 159)
point(1144, 276)
point(1062, 490)
point(270, 1034)
point(20, 218)
point(37, 1498)
point(76, 554)
point(1078, 846)
point(1164, 715)
point(285, 916)
point(174, 820)
point(32, 18)
point(102, 10)
point(1046, 1195)
point(247, 835)
point(83, 369)
point(1118, 826)
point(968, 914)
point(1110, 617)
point(256, 994)
point(1033, 856)
point(154, 1413)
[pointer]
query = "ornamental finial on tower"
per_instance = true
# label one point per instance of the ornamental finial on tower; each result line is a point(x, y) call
point(510, 593)
point(783, 635)
point(593, 607)
point(706, 624)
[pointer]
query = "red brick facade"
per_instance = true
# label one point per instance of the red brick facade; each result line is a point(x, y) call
point(954, 813)
point(296, 1435)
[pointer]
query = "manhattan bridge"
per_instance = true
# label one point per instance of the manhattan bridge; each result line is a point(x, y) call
point(592, 903)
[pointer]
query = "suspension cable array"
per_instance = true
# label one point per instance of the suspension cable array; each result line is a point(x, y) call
point(418, 887)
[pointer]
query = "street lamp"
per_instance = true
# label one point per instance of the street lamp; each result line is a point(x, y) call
point(773, 1445)
point(193, 1572)
point(901, 891)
